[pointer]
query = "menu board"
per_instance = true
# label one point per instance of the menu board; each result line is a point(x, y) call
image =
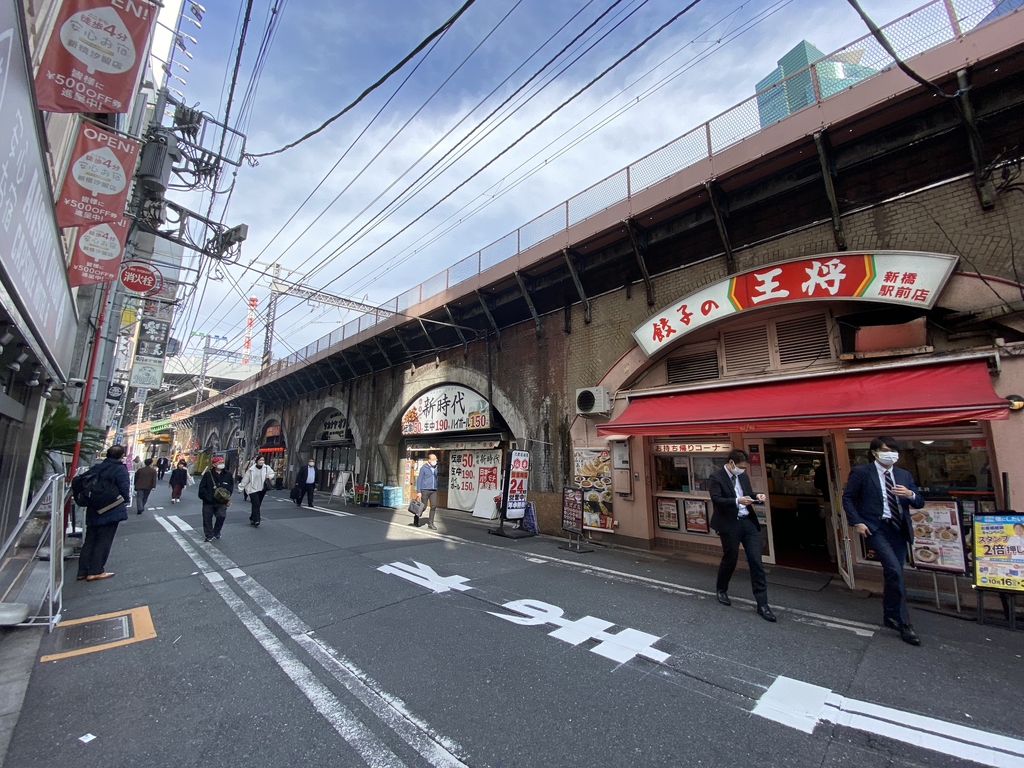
point(572, 510)
point(938, 539)
point(696, 512)
point(594, 475)
point(668, 514)
point(999, 552)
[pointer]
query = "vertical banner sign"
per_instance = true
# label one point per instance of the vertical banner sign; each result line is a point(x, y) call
point(472, 476)
point(572, 510)
point(96, 257)
point(95, 186)
point(518, 483)
point(92, 59)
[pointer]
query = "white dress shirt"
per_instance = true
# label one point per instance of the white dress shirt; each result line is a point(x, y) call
point(741, 510)
point(882, 471)
point(310, 475)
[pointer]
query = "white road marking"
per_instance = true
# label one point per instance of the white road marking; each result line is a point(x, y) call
point(179, 522)
point(425, 576)
point(620, 647)
point(536, 560)
point(802, 706)
point(86, 738)
point(371, 749)
point(433, 747)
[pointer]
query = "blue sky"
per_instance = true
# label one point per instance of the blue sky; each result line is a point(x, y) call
point(325, 53)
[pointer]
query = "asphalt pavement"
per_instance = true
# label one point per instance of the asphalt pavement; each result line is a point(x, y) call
point(342, 636)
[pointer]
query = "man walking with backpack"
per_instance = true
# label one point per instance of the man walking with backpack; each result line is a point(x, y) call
point(215, 491)
point(104, 489)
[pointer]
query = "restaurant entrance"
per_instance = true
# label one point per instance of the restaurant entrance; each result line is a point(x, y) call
point(798, 481)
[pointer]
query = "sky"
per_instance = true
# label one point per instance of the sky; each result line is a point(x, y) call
point(355, 237)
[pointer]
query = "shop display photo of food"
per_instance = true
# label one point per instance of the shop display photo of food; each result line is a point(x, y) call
point(593, 475)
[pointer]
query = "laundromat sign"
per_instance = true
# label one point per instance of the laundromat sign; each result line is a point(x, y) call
point(447, 408)
point(892, 277)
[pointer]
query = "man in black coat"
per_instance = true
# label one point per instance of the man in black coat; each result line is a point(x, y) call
point(736, 522)
point(877, 502)
point(305, 483)
point(215, 492)
point(101, 527)
point(162, 465)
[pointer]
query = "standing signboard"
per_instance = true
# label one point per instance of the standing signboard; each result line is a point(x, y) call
point(95, 186)
point(572, 510)
point(938, 538)
point(92, 59)
point(517, 485)
point(999, 552)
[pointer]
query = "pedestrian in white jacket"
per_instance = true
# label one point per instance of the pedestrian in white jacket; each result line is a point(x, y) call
point(254, 483)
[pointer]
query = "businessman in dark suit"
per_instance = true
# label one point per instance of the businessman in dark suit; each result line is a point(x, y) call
point(877, 502)
point(736, 522)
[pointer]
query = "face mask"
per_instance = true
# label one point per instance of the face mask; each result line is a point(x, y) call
point(259, 464)
point(219, 467)
point(737, 470)
point(888, 458)
point(433, 463)
point(311, 465)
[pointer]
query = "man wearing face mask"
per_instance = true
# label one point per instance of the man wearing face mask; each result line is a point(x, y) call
point(877, 502)
point(737, 523)
point(305, 481)
point(426, 489)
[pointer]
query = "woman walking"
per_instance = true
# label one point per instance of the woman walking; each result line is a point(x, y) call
point(179, 479)
point(255, 483)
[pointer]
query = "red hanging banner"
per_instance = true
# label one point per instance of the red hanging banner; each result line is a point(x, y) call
point(96, 257)
point(92, 59)
point(95, 186)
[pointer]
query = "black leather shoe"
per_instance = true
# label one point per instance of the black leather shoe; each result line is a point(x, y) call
point(723, 597)
point(766, 613)
point(908, 635)
point(892, 623)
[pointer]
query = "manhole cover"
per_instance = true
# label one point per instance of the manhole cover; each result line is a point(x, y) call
point(90, 633)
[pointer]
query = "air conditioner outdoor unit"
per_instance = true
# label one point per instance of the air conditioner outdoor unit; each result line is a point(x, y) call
point(593, 401)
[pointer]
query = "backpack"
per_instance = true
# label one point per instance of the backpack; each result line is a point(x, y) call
point(95, 491)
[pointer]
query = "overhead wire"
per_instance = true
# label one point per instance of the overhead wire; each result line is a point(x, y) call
point(384, 78)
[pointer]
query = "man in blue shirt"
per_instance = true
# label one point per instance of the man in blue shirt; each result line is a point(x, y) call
point(426, 489)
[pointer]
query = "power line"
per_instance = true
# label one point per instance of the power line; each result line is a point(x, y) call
point(439, 31)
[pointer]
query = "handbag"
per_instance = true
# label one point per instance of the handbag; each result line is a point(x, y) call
point(267, 485)
point(296, 493)
point(416, 507)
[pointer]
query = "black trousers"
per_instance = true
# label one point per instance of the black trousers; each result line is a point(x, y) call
point(749, 536)
point(307, 490)
point(891, 550)
point(96, 549)
point(256, 499)
point(213, 519)
point(142, 498)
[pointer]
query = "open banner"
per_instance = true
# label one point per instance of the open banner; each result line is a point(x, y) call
point(92, 59)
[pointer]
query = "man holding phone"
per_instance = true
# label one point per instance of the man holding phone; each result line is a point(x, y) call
point(736, 522)
point(877, 502)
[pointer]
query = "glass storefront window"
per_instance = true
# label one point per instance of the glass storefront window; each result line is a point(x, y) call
point(938, 466)
point(672, 473)
point(703, 466)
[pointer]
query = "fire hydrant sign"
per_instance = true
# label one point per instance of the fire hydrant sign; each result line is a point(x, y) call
point(894, 277)
point(518, 483)
point(92, 58)
point(96, 183)
point(141, 278)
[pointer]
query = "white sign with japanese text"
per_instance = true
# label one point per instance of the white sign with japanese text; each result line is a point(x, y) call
point(448, 408)
point(895, 277)
point(472, 474)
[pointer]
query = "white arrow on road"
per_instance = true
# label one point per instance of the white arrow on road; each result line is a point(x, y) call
point(426, 576)
point(802, 706)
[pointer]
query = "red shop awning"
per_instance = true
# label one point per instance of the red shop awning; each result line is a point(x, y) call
point(923, 395)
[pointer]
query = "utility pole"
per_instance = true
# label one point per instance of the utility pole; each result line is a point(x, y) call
point(268, 341)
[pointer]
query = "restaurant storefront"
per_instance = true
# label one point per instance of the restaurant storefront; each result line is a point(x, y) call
point(460, 427)
point(809, 390)
point(272, 447)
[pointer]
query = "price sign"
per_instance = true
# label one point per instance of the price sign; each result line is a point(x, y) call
point(517, 484)
point(572, 510)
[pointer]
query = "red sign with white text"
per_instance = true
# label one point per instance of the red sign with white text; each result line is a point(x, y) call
point(96, 184)
point(141, 278)
point(92, 59)
point(97, 253)
point(891, 277)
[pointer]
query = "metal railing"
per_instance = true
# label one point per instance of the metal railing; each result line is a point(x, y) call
point(931, 25)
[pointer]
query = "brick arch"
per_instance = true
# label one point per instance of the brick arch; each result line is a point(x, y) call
point(332, 403)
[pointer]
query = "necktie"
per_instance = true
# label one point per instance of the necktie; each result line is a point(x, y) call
point(894, 504)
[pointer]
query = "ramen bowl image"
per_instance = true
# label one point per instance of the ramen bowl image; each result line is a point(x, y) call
point(946, 535)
